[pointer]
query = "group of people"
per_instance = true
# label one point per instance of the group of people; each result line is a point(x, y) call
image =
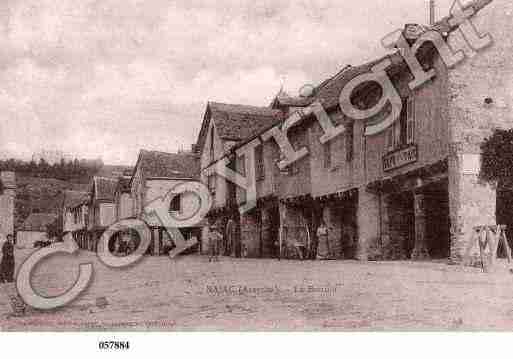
point(322, 246)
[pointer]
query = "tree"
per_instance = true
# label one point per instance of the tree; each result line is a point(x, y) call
point(497, 159)
point(497, 170)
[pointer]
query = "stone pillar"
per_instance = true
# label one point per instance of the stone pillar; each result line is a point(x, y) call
point(471, 203)
point(368, 220)
point(420, 251)
point(291, 221)
point(7, 197)
point(250, 234)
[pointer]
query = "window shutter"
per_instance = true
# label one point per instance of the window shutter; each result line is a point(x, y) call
point(390, 138)
point(410, 121)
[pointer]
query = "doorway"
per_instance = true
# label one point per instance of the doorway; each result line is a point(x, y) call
point(437, 220)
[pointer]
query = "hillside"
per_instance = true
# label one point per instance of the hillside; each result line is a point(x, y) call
point(40, 195)
point(44, 195)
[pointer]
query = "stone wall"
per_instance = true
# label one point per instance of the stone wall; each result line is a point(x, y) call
point(7, 196)
point(480, 100)
point(471, 202)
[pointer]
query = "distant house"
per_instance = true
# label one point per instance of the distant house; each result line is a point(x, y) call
point(74, 216)
point(123, 199)
point(155, 174)
point(34, 229)
point(7, 195)
point(101, 211)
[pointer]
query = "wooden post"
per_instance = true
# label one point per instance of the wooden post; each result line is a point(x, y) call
point(482, 245)
point(506, 244)
point(470, 244)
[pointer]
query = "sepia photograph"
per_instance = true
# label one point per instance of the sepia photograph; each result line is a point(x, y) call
point(255, 166)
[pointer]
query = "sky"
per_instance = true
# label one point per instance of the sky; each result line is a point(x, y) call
point(106, 78)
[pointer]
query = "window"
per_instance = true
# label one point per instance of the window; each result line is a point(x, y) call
point(176, 203)
point(402, 132)
point(327, 155)
point(259, 159)
point(349, 141)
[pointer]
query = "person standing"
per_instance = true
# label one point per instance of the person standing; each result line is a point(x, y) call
point(7, 264)
point(214, 241)
point(323, 245)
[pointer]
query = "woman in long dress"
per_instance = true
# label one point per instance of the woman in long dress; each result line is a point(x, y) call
point(7, 264)
point(323, 244)
point(7, 277)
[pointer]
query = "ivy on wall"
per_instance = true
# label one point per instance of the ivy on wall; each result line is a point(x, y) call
point(497, 159)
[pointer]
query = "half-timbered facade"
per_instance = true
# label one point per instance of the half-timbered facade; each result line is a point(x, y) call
point(411, 191)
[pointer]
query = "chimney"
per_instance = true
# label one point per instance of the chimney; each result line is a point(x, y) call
point(432, 12)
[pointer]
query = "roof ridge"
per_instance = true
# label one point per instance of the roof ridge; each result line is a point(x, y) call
point(241, 105)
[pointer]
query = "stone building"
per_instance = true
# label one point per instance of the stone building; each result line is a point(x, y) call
point(7, 197)
point(75, 216)
point(123, 199)
point(480, 99)
point(101, 209)
point(224, 128)
point(155, 176)
point(411, 191)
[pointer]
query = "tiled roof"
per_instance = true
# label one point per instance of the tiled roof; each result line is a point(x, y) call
point(105, 188)
point(329, 91)
point(74, 198)
point(238, 122)
point(157, 164)
point(284, 99)
point(37, 222)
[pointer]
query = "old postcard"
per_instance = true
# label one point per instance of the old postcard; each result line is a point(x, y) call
point(256, 166)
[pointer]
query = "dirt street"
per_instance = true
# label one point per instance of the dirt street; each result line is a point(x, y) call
point(260, 294)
